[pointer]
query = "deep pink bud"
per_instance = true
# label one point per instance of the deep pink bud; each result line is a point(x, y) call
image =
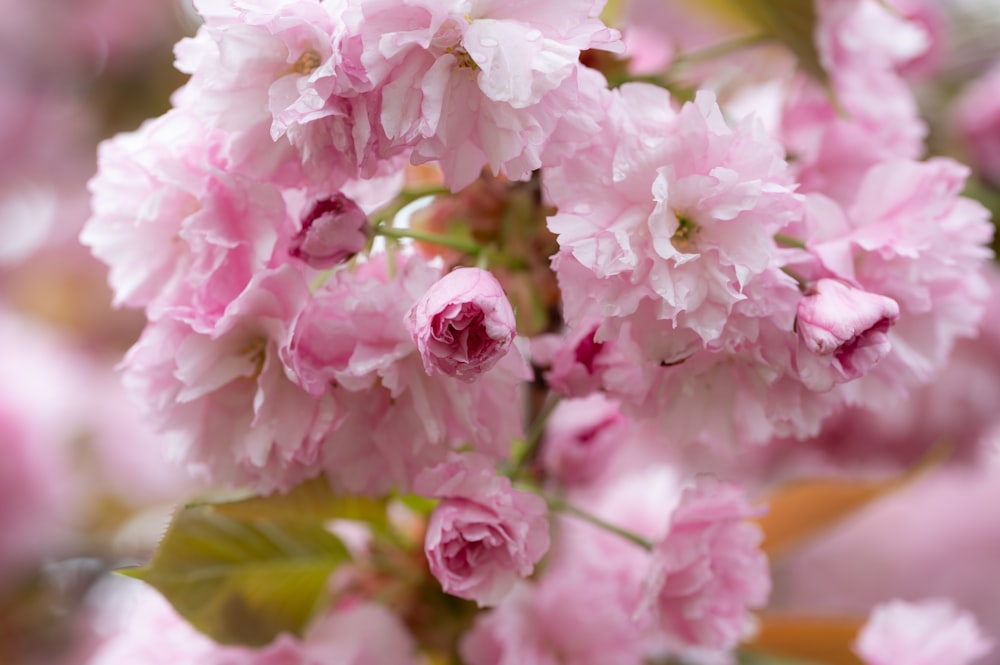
point(848, 326)
point(334, 230)
point(463, 325)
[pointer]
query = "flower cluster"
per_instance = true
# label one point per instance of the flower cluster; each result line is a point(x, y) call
point(554, 327)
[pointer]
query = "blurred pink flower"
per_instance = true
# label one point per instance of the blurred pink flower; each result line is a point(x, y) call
point(976, 120)
point(581, 436)
point(931, 632)
point(708, 570)
point(136, 625)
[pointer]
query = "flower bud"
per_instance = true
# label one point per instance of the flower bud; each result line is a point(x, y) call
point(848, 326)
point(463, 325)
point(334, 230)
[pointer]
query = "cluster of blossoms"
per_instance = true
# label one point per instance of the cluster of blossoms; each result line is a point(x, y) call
point(722, 286)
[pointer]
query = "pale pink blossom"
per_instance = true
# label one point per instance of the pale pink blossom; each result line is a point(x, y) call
point(474, 84)
point(484, 535)
point(861, 44)
point(882, 552)
point(463, 324)
point(976, 120)
point(571, 615)
point(708, 570)
point(670, 219)
point(333, 230)
point(281, 66)
point(913, 238)
point(175, 226)
point(931, 632)
point(222, 398)
point(843, 332)
point(135, 624)
point(31, 480)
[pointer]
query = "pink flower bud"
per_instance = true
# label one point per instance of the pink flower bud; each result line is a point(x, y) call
point(848, 327)
point(463, 325)
point(334, 230)
point(484, 535)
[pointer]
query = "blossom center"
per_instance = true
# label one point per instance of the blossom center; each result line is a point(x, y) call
point(308, 62)
point(684, 237)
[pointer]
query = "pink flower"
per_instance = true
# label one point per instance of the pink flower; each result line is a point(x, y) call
point(910, 236)
point(843, 330)
point(350, 345)
point(484, 535)
point(222, 396)
point(861, 43)
point(570, 616)
point(577, 363)
point(138, 625)
point(334, 230)
point(486, 83)
point(580, 438)
point(463, 325)
point(667, 220)
point(977, 121)
point(175, 225)
point(932, 632)
point(708, 570)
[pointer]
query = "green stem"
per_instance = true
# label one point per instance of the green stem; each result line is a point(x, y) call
point(799, 279)
point(720, 49)
point(789, 241)
point(459, 244)
point(534, 437)
point(561, 506)
point(388, 212)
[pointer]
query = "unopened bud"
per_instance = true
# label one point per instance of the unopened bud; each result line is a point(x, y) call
point(333, 230)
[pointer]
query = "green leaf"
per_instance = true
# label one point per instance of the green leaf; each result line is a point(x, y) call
point(312, 500)
point(793, 22)
point(243, 581)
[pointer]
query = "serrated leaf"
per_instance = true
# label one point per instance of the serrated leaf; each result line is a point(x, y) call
point(243, 581)
point(825, 640)
point(803, 509)
point(312, 500)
